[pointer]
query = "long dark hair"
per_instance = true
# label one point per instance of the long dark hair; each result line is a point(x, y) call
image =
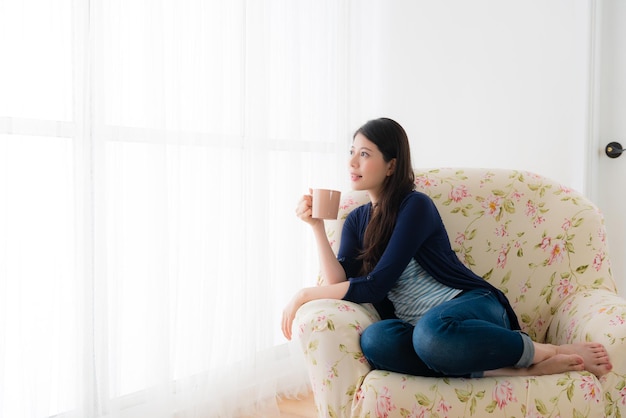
point(393, 142)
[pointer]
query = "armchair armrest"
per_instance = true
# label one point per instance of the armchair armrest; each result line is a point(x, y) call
point(597, 315)
point(590, 315)
point(329, 332)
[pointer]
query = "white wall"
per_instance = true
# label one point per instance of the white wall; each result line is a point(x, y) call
point(484, 83)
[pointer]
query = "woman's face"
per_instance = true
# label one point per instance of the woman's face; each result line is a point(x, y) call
point(368, 168)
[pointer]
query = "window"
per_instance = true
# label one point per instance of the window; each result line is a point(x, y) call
point(151, 155)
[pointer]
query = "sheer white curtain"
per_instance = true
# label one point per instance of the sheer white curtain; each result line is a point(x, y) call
point(151, 155)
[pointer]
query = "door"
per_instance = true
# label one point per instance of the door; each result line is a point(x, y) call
point(607, 176)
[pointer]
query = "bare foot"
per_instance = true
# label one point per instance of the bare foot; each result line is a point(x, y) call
point(594, 356)
point(558, 363)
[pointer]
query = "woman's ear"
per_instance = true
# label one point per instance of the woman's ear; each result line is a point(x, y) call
point(391, 167)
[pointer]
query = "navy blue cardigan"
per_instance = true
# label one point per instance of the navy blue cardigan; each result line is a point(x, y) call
point(420, 234)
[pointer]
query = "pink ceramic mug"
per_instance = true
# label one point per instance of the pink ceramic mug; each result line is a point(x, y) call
point(326, 203)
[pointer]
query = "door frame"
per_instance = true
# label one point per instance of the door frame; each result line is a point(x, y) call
point(598, 164)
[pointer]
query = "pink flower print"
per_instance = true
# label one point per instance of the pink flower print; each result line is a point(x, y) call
point(566, 225)
point(539, 323)
point(617, 320)
point(523, 288)
point(503, 394)
point(347, 203)
point(517, 196)
point(359, 394)
point(418, 411)
point(331, 373)
point(501, 231)
point(501, 262)
point(597, 261)
point(568, 305)
point(444, 408)
point(590, 389)
point(532, 175)
point(460, 238)
point(569, 331)
point(531, 209)
point(492, 205)
point(425, 182)
point(602, 234)
point(345, 308)
point(622, 395)
point(486, 179)
point(383, 403)
point(546, 242)
point(565, 189)
point(565, 288)
point(557, 253)
point(538, 221)
point(458, 193)
point(358, 328)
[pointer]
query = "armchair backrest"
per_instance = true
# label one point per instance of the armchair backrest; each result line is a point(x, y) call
point(533, 238)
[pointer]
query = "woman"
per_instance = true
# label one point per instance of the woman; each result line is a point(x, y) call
point(438, 318)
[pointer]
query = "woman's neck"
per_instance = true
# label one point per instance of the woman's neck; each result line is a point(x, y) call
point(373, 197)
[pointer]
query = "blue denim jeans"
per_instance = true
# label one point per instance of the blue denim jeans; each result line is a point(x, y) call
point(462, 337)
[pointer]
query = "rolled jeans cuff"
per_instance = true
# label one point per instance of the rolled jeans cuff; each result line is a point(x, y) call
point(528, 353)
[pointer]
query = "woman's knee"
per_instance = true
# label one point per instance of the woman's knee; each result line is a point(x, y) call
point(371, 338)
point(378, 337)
point(431, 343)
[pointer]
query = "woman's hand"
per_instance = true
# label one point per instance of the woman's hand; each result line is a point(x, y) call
point(289, 313)
point(307, 294)
point(304, 210)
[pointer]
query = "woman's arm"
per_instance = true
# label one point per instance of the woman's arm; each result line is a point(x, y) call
point(333, 291)
point(330, 269)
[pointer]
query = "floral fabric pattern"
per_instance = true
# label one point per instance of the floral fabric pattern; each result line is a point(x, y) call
point(542, 244)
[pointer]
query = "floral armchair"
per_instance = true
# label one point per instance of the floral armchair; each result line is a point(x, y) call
point(545, 246)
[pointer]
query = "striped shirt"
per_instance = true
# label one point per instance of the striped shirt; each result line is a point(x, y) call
point(416, 292)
